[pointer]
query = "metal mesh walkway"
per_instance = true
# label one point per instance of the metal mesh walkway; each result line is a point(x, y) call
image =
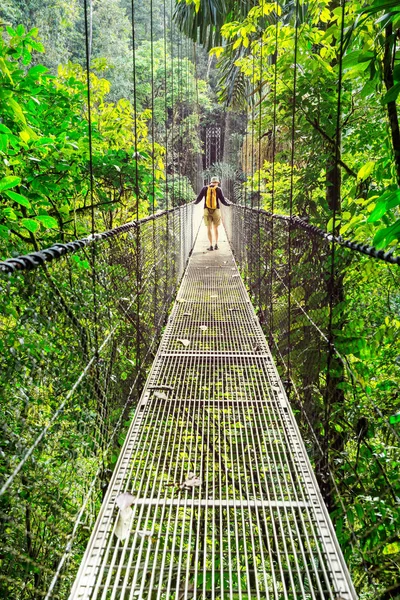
point(226, 505)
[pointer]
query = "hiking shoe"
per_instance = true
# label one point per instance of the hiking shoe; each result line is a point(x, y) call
point(216, 247)
point(210, 248)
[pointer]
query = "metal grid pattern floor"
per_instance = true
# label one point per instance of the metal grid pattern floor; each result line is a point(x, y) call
point(213, 408)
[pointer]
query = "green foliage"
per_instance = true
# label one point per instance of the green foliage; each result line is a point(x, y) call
point(179, 190)
point(44, 173)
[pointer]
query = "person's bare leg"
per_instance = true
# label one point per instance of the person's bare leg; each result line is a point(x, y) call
point(209, 233)
point(216, 234)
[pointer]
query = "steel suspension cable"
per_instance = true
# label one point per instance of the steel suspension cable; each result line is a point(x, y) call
point(274, 130)
point(259, 171)
point(336, 200)
point(292, 160)
point(166, 149)
point(153, 157)
point(88, 48)
point(137, 189)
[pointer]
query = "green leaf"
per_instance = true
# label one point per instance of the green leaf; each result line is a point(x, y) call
point(37, 70)
point(30, 224)
point(18, 198)
point(9, 182)
point(366, 170)
point(4, 232)
point(392, 548)
point(4, 129)
point(391, 95)
point(387, 235)
point(396, 73)
point(3, 143)
point(384, 203)
point(18, 113)
point(47, 221)
point(351, 59)
point(393, 419)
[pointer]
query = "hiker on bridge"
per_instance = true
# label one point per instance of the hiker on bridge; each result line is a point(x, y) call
point(212, 195)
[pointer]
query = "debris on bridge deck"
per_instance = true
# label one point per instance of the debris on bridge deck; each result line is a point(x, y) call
point(219, 496)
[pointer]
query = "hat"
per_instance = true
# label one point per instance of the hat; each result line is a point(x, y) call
point(215, 180)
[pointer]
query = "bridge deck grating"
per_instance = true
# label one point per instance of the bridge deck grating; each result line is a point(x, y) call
point(256, 526)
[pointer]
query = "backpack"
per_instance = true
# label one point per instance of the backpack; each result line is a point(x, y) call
point(211, 197)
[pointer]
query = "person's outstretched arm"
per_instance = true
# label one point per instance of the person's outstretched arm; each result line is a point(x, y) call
point(201, 195)
point(223, 199)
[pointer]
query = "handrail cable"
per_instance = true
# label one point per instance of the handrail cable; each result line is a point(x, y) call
point(371, 251)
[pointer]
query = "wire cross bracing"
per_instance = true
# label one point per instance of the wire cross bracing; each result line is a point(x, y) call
point(213, 407)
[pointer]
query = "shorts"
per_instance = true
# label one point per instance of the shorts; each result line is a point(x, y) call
point(212, 217)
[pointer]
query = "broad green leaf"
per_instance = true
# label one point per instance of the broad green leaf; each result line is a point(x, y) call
point(366, 170)
point(18, 113)
point(4, 231)
point(393, 419)
point(9, 182)
point(5, 70)
point(18, 198)
point(392, 94)
point(385, 236)
point(30, 224)
point(393, 548)
point(24, 135)
point(3, 143)
point(47, 221)
point(37, 70)
point(351, 59)
point(383, 204)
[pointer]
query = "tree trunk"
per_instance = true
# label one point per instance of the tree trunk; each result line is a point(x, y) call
point(388, 62)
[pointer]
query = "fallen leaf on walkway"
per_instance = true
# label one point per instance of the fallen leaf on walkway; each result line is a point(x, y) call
point(203, 327)
point(161, 395)
point(123, 525)
point(191, 482)
point(144, 532)
point(187, 314)
point(234, 309)
point(236, 275)
point(214, 296)
point(161, 387)
point(124, 500)
point(185, 343)
point(181, 300)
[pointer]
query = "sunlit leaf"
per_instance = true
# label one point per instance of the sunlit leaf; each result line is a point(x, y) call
point(18, 198)
point(9, 182)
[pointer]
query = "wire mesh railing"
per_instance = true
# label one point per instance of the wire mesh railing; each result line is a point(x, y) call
point(332, 320)
point(77, 335)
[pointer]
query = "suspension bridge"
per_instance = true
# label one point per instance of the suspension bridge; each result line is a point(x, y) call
point(213, 494)
point(224, 502)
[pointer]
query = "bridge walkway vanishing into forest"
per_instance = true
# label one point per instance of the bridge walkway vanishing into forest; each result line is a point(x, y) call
point(224, 501)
